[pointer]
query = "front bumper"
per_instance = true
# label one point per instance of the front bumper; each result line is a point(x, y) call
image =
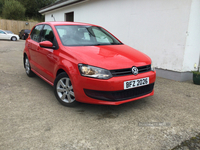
point(111, 91)
point(115, 96)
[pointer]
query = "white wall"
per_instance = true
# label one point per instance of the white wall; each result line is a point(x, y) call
point(158, 28)
point(192, 48)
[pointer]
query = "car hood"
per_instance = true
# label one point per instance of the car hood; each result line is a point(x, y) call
point(110, 56)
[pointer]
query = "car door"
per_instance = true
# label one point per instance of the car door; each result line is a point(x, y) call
point(47, 57)
point(3, 35)
point(33, 46)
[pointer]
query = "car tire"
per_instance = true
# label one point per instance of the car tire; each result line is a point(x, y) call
point(63, 90)
point(13, 38)
point(23, 38)
point(27, 67)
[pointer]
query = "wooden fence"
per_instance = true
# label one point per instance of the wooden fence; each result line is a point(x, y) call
point(16, 26)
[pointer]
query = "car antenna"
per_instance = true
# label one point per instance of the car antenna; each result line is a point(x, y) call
point(53, 17)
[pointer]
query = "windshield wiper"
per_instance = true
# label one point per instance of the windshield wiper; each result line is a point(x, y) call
point(97, 44)
point(116, 43)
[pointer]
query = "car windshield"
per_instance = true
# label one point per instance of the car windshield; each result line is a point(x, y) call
point(79, 35)
point(9, 32)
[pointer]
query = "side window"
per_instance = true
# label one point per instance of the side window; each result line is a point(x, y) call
point(35, 34)
point(47, 34)
point(1, 32)
point(101, 37)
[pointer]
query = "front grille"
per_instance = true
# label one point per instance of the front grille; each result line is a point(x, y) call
point(120, 95)
point(128, 71)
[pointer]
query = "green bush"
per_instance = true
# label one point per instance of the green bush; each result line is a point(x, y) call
point(196, 72)
point(1, 6)
point(13, 10)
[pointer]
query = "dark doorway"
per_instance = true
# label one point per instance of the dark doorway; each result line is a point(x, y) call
point(69, 16)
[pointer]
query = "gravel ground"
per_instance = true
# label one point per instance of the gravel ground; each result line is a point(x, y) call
point(32, 119)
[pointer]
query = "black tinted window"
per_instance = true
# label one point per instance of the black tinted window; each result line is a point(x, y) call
point(35, 34)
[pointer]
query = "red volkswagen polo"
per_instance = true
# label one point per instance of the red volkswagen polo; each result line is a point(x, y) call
point(86, 63)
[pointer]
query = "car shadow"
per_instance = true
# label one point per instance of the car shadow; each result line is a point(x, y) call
point(112, 111)
point(9, 40)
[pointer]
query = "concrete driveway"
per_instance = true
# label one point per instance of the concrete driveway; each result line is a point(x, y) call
point(32, 119)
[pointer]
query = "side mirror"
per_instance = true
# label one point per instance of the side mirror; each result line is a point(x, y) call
point(46, 44)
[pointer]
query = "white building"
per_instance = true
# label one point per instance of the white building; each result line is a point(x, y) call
point(166, 30)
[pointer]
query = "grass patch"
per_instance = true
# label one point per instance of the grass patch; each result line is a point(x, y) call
point(191, 144)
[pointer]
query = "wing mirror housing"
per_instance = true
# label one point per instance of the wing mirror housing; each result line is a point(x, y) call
point(47, 44)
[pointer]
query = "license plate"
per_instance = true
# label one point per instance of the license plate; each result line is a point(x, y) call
point(136, 83)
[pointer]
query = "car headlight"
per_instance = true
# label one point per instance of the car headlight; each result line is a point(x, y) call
point(152, 66)
point(94, 72)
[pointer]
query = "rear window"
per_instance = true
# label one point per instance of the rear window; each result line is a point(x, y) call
point(9, 32)
point(27, 31)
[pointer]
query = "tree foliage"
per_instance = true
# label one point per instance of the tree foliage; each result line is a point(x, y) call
point(33, 6)
point(1, 6)
point(13, 10)
point(18, 9)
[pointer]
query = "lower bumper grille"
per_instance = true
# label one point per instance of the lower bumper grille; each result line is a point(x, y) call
point(120, 95)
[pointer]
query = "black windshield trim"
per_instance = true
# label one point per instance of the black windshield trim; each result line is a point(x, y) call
point(93, 45)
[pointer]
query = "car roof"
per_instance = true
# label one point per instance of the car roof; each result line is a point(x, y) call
point(55, 23)
point(25, 29)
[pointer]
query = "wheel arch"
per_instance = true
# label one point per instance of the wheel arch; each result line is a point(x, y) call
point(59, 71)
point(69, 68)
point(66, 66)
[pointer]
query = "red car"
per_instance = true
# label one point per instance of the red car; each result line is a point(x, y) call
point(86, 63)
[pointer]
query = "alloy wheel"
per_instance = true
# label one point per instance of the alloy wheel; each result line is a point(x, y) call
point(27, 66)
point(65, 91)
point(14, 39)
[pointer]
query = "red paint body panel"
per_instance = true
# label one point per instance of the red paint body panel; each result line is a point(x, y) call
point(107, 56)
point(46, 63)
point(46, 44)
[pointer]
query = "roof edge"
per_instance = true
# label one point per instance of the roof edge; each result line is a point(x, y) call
point(58, 5)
